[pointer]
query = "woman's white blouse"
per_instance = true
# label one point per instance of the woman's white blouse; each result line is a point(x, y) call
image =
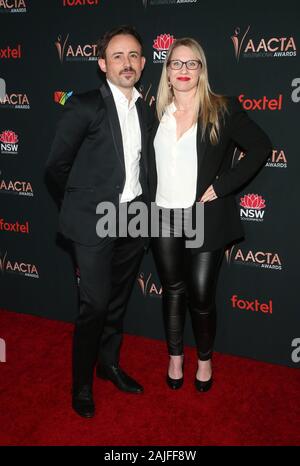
point(176, 162)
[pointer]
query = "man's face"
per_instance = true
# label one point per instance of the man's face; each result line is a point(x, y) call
point(123, 63)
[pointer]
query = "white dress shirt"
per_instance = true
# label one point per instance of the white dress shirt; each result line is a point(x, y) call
point(176, 162)
point(131, 136)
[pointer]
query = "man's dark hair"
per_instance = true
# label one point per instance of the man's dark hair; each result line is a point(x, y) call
point(124, 29)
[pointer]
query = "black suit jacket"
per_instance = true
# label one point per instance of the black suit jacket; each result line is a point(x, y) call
point(87, 161)
point(222, 224)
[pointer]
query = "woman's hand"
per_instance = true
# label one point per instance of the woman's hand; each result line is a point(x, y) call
point(209, 195)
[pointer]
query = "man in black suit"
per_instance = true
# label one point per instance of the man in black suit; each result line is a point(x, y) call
point(98, 154)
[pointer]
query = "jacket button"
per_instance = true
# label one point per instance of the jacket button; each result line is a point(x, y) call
point(117, 187)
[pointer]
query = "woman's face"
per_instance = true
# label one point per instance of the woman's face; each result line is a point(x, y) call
point(184, 79)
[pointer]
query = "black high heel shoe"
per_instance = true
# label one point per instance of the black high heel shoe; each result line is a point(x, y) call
point(175, 384)
point(203, 386)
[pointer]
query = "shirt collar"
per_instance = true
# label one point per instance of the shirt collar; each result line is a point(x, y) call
point(121, 98)
point(170, 109)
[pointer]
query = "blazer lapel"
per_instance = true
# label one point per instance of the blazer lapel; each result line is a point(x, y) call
point(113, 123)
point(201, 150)
point(152, 161)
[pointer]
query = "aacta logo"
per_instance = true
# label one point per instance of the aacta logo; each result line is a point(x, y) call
point(61, 97)
point(145, 92)
point(14, 227)
point(8, 142)
point(161, 44)
point(264, 103)
point(253, 206)
point(166, 2)
point(8, 52)
point(260, 48)
point(70, 52)
point(148, 287)
point(80, 2)
point(262, 259)
point(278, 158)
point(13, 6)
point(253, 306)
point(15, 102)
point(17, 267)
point(21, 188)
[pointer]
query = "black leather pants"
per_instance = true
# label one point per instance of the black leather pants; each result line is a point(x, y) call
point(188, 280)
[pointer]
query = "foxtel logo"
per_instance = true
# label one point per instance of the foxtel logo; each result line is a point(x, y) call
point(80, 3)
point(8, 53)
point(264, 103)
point(254, 306)
point(14, 227)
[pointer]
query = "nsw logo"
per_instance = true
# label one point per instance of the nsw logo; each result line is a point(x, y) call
point(9, 142)
point(252, 207)
point(161, 45)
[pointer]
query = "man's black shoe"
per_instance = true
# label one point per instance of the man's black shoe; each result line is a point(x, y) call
point(82, 402)
point(119, 378)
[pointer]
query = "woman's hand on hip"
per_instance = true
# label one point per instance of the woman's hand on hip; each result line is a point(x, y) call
point(209, 195)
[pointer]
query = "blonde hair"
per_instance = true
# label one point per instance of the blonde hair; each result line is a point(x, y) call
point(209, 107)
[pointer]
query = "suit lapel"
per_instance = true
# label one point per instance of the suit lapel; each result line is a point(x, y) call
point(113, 123)
point(142, 120)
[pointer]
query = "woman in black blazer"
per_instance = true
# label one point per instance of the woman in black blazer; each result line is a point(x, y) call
point(190, 162)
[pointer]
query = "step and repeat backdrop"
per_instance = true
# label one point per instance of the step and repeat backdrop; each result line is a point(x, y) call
point(48, 51)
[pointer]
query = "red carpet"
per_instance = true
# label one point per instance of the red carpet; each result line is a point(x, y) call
point(251, 403)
